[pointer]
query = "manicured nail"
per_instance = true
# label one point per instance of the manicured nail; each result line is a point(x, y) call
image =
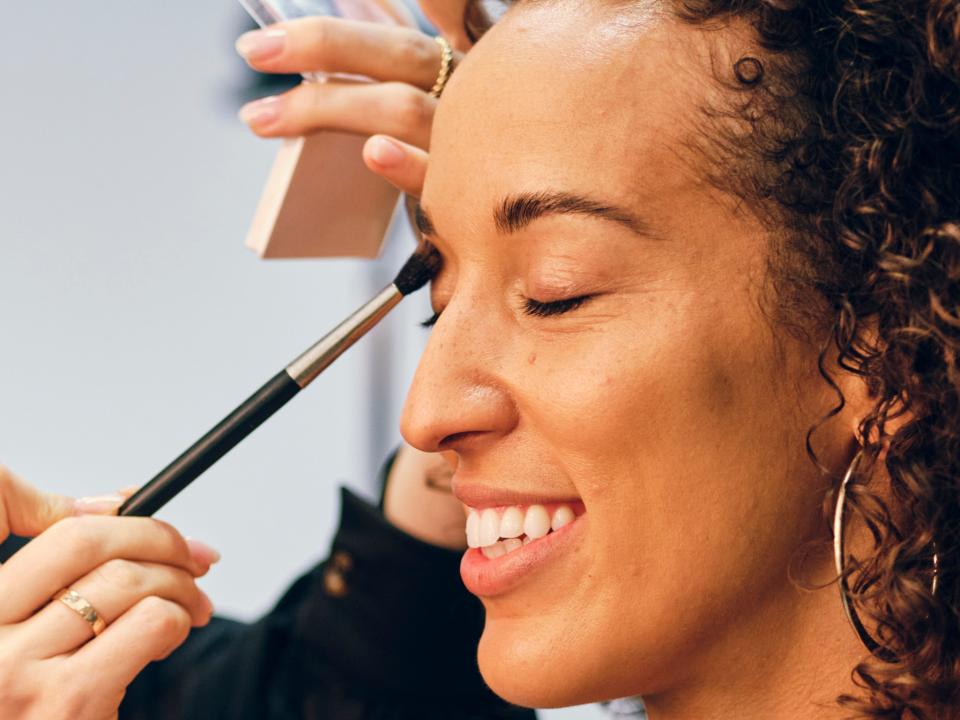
point(261, 112)
point(202, 552)
point(385, 152)
point(98, 504)
point(262, 44)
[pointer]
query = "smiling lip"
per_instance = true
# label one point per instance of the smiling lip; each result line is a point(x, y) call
point(480, 496)
point(486, 577)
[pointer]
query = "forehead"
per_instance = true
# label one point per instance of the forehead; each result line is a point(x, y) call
point(572, 96)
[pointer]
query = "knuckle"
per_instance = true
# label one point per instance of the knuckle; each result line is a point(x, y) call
point(178, 551)
point(171, 532)
point(163, 619)
point(409, 106)
point(421, 49)
point(122, 574)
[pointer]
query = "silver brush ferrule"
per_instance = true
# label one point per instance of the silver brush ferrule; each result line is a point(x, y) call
point(318, 358)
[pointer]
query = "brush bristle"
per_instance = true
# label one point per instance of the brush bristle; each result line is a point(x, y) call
point(418, 270)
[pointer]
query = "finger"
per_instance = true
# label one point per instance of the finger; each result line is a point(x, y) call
point(105, 504)
point(149, 631)
point(26, 511)
point(447, 16)
point(75, 546)
point(112, 589)
point(99, 504)
point(334, 45)
point(395, 109)
point(400, 164)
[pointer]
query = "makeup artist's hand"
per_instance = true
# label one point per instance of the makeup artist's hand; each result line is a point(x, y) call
point(403, 62)
point(138, 573)
point(418, 500)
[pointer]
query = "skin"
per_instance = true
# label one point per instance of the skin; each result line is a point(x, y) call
point(670, 402)
point(139, 574)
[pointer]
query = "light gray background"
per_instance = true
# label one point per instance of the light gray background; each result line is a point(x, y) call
point(131, 315)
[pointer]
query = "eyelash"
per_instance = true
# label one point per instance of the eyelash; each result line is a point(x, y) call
point(534, 308)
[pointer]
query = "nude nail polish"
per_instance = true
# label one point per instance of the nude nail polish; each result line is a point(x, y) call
point(261, 44)
point(261, 112)
point(97, 505)
point(384, 152)
point(202, 552)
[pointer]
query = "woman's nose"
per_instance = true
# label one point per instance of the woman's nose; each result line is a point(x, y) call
point(458, 399)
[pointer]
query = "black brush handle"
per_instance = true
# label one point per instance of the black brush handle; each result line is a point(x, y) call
point(252, 413)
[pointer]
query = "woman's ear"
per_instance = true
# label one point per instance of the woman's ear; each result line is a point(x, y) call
point(861, 399)
point(447, 17)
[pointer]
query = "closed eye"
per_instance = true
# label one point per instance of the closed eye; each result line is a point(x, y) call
point(557, 307)
point(534, 308)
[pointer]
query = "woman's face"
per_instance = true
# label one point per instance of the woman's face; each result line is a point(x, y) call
point(666, 409)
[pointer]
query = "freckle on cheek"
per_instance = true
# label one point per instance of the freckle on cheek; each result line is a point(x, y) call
point(532, 359)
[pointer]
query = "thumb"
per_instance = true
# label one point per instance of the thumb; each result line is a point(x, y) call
point(26, 511)
point(448, 16)
point(396, 162)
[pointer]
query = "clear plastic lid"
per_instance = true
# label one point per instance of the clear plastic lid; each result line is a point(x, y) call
point(268, 12)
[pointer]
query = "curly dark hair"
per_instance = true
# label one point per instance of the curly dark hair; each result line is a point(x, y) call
point(846, 137)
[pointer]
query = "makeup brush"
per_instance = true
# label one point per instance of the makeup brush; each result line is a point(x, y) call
point(276, 392)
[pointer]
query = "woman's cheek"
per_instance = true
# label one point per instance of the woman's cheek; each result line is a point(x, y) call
point(601, 385)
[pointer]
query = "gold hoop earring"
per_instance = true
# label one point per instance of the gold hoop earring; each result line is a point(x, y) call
point(868, 641)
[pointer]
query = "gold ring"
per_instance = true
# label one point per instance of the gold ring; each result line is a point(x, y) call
point(76, 602)
point(446, 66)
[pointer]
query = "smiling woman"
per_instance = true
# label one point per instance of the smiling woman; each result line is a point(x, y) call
point(693, 368)
point(699, 265)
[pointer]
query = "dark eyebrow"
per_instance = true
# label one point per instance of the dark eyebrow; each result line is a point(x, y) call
point(518, 211)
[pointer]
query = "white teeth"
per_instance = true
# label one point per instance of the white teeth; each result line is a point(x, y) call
point(489, 527)
point(493, 551)
point(499, 549)
point(537, 522)
point(473, 529)
point(511, 544)
point(498, 533)
point(561, 516)
point(511, 524)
